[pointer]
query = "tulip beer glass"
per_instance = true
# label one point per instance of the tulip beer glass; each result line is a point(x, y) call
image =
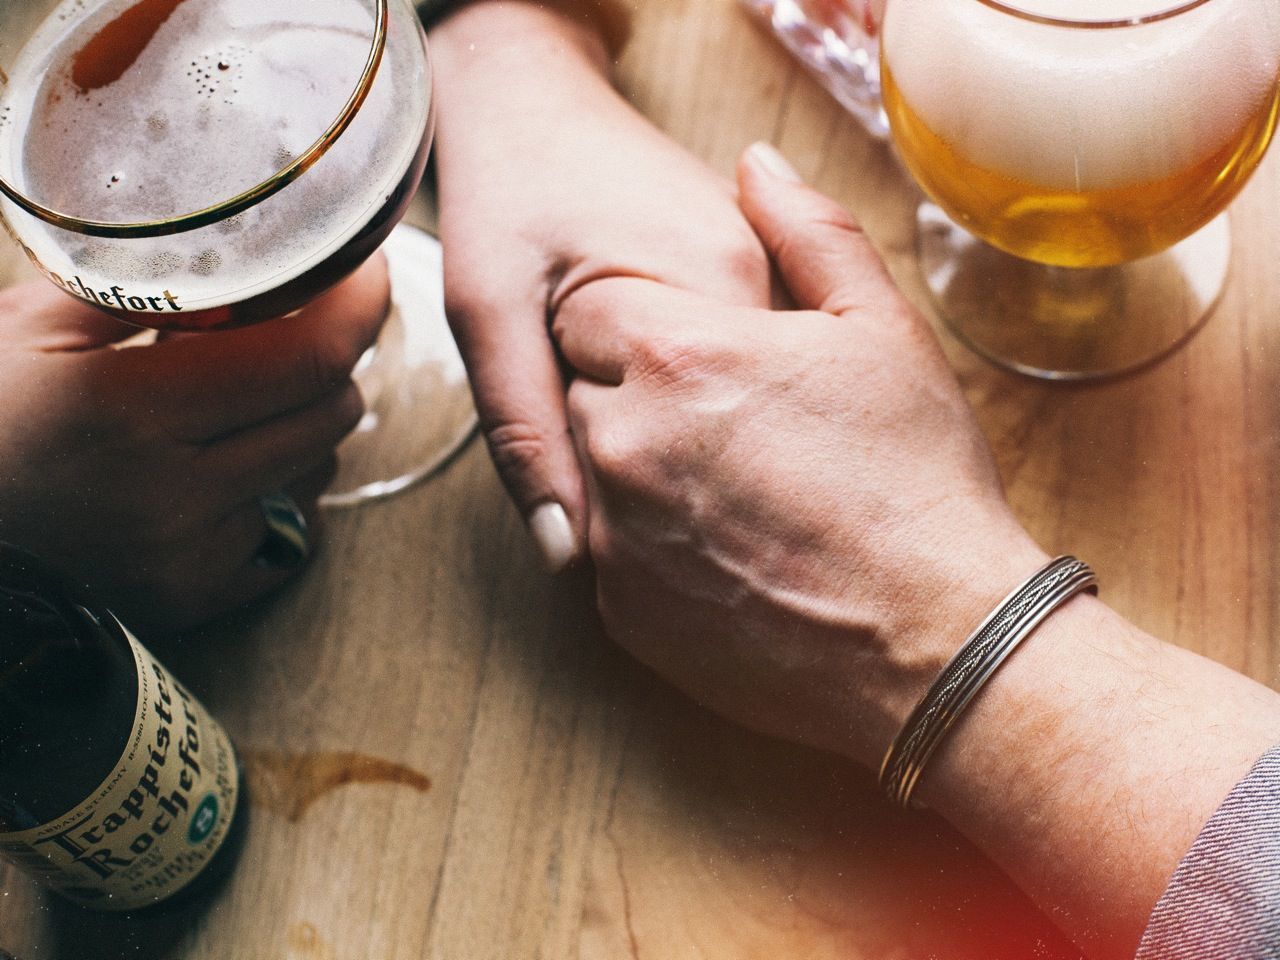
point(191, 165)
point(1079, 155)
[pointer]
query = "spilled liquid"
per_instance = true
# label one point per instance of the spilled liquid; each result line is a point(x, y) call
point(288, 784)
point(306, 943)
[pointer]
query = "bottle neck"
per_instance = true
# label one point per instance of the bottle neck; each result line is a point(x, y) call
point(68, 693)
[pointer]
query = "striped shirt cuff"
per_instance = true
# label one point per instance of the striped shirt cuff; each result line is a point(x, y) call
point(1223, 902)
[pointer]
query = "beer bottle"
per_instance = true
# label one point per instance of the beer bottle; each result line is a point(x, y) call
point(118, 790)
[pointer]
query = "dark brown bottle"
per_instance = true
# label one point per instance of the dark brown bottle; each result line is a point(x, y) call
point(118, 790)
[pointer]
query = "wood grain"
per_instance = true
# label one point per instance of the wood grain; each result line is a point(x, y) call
point(579, 809)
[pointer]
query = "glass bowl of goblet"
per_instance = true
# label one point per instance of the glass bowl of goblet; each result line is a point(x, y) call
point(1078, 157)
point(195, 165)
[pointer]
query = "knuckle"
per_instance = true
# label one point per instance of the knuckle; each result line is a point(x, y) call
point(831, 216)
point(469, 303)
point(562, 319)
point(822, 213)
point(669, 359)
point(745, 261)
point(461, 306)
point(517, 447)
point(612, 453)
point(332, 358)
point(829, 223)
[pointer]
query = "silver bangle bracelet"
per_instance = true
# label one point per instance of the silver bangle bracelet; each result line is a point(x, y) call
point(986, 648)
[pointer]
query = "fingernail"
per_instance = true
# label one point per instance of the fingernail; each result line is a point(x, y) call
point(768, 156)
point(553, 534)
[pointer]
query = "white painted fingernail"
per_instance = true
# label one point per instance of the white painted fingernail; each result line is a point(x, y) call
point(771, 159)
point(553, 534)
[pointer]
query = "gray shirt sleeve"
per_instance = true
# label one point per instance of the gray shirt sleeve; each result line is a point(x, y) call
point(1223, 902)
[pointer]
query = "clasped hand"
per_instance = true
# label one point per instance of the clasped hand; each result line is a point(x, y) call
point(782, 504)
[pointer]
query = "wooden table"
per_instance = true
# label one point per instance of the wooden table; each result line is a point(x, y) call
point(449, 761)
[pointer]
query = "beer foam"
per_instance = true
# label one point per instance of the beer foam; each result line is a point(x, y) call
point(225, 94)
point(1081, 108)
point(244, 84)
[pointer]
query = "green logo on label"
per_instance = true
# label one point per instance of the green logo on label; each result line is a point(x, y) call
point(203, 821)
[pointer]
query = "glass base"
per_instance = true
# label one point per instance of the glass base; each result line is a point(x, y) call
point(1064, 323)
point(419, 413)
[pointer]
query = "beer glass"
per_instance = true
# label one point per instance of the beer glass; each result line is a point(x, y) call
point(836, 41)
point(1079, 155)
point(193, 165)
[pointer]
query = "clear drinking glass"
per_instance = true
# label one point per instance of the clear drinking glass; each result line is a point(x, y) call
point(837, 42)
point(194, 165)
point(1079, 155)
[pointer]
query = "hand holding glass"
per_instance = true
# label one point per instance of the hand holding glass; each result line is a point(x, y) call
point(199, 164)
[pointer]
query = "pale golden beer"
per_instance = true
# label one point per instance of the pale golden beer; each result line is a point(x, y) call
point(1081, 146)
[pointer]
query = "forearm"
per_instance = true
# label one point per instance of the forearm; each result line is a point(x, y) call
point(608, 20)
point(506, 49)
point(1089, 763)
point(516, 84)
point(537, 154)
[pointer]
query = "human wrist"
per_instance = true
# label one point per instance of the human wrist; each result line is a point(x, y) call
point(501, 36)
point(1095, 736)
point(973, 665)
point(925, 622)
point(513, 77)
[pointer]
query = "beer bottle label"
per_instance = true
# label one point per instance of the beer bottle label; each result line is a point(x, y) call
point(155, 822)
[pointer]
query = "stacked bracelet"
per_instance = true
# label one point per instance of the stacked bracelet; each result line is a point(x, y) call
point(973, 664)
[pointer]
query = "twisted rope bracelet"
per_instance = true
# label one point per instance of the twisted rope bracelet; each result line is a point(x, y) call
point(971, 667)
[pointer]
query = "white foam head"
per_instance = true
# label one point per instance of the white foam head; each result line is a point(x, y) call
point(225, 94)
point(1077, 108)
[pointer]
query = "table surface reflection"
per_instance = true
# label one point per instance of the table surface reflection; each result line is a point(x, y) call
point(448, 760)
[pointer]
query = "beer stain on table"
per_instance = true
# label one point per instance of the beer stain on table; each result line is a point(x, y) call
point(305, 943)
point(288, 784)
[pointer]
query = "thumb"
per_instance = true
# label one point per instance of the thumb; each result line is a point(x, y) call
point(823, 256)
point(42, 317)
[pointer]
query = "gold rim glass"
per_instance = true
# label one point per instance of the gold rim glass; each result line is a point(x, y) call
point(225, 209)
point(1094, 24)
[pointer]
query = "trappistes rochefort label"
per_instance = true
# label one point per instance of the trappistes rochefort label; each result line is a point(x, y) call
point(156, 821)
